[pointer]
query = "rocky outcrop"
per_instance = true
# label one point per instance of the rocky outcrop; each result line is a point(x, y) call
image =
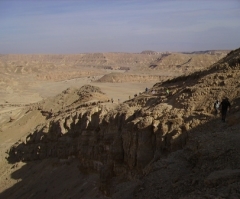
point(128, 139)
point(96, 134)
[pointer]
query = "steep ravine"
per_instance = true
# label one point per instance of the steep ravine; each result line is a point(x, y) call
point(124, 142)
point(129, 139)
point(121, 141)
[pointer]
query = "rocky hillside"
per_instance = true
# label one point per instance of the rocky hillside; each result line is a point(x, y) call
point(47, 65)
point(29, 72)
point(128, 77)
point(156, 145)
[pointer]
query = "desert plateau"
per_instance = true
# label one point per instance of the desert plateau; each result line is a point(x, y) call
point(119, 125)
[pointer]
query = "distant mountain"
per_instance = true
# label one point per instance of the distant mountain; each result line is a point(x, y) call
point(211, 52)
point(167, 142)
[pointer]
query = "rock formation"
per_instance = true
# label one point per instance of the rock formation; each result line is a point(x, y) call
point(158, 142)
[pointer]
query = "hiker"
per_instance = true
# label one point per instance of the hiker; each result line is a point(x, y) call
point(216, 106)
point(225, 105)
point(146, 90)
point(167, 91)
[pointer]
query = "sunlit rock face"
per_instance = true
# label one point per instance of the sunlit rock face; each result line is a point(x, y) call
point(135, 137)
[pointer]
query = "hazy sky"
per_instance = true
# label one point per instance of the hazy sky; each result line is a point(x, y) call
point(71, 26)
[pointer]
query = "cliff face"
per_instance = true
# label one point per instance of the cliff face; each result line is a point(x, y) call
point(128, 136)
point(131, 138)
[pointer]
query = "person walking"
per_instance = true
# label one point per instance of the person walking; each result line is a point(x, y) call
point(225, 106)
point(167, 91)
point(216, 106)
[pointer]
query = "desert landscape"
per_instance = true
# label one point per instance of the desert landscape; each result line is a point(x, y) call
point(119, 125)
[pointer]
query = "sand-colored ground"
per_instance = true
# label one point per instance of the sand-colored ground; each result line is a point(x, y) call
point(46, 89)
point(11, 132)
point(14, 125)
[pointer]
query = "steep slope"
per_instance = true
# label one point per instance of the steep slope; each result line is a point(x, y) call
point(208, 165)
point(184, 62)
point(157, 145)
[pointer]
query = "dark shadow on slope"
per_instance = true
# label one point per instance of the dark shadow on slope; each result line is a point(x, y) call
point(53, 178)
point(207, 167)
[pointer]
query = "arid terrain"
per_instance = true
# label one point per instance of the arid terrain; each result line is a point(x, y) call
point(62, 136)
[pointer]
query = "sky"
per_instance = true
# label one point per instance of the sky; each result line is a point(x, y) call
point(87, 26)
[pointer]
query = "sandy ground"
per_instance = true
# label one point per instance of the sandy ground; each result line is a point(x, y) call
point(40, 178)
point(12, 104)
point(43, 90)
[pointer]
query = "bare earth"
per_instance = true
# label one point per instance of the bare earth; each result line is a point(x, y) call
point(11, 132)
point(30, 82)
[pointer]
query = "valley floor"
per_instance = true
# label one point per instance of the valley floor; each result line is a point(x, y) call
point(13, 105)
